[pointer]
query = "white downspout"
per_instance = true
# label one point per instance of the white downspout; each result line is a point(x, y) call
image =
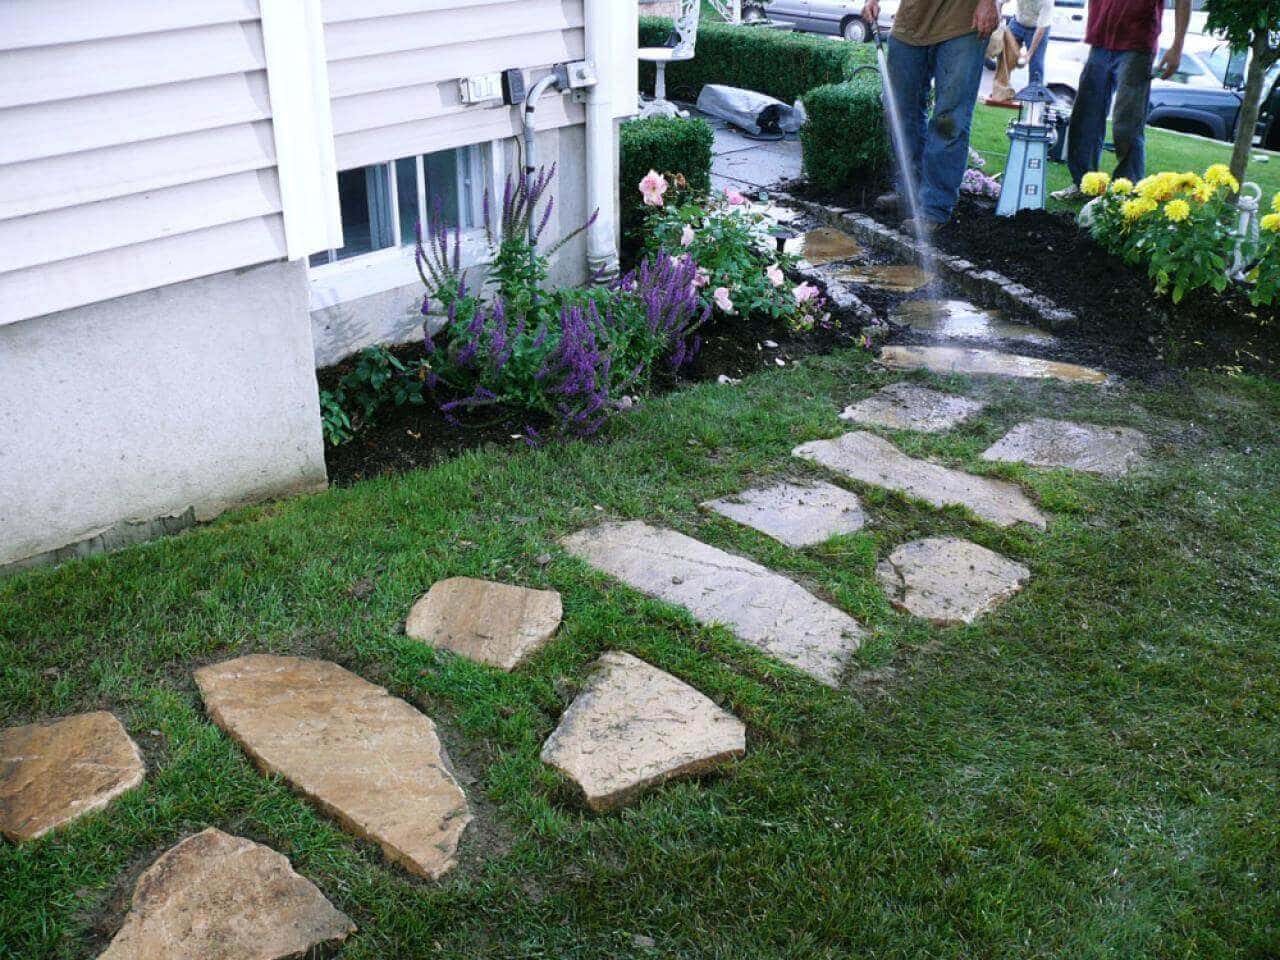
point(602, 243)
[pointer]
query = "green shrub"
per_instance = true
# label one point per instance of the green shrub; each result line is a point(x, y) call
point(668, 145)
point(845, 141)
point(781, 64)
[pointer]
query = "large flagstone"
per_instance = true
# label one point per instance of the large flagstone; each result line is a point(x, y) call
point(905, 406)
point(1110, 451)
point(764, 609)
point(363, 756)
point(634, 726)
point(219, 897)
point(993, 362)
point(797, 514)
point(57, 771)
point(870, 459)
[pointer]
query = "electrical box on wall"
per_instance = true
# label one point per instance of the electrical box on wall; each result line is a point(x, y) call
point(513, 87)
point(481, 88)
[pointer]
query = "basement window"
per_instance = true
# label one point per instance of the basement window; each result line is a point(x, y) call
point(382, 204)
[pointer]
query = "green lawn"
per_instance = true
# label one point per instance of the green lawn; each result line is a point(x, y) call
point(1089, 772)
point(1166, 150)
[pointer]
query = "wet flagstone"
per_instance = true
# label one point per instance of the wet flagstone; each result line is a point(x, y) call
point(219, 897)
point(870, 459)
point(905, 406)
point(889, 277)
point(1110, 451)
point(363, 756)
point(56, 771)
point(948, 581)
point(634, 726)
point(824, 245)
point(798, 515)
point(764, 609)
point(492, 623)
point(975, 361)
point(960, 320)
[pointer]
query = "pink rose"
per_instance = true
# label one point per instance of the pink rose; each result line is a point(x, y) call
point(806, 292)
point(735, 198)
point(774, 273)
point(653, 186)
point(703, 278)
point(687, 236)
point(721, 297)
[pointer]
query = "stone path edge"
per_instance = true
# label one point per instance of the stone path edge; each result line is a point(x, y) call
point(986, 287)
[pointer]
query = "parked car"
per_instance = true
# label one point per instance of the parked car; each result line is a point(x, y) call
point(839, 18)
point(1069, 19)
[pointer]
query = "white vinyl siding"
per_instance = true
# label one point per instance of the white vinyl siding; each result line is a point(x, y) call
point(394, 67)
point(136, 148)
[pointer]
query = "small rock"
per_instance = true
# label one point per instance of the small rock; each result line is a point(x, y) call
point(779, 361)
point(726, 380)
point(770, 345)
point(542, 559)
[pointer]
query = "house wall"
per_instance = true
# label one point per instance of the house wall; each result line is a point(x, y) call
point(186, 399)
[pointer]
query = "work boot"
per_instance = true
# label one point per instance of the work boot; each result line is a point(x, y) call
point(887, 202)
point(1071, 194)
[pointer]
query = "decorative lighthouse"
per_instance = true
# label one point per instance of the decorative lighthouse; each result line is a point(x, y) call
point(1030, 137)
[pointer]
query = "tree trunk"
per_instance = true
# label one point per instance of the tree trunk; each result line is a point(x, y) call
point(1263, 58)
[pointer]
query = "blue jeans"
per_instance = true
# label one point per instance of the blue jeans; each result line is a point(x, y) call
point(1024, 36)
point(1125, 75)
point(937, 147)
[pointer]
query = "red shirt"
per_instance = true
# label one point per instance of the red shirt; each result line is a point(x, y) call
point(1124, 24)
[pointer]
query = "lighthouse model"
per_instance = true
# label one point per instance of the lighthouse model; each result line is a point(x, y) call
point(1030, 137)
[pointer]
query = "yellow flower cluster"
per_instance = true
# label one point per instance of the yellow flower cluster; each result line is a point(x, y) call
point(1271, 222)
point(1094, 184)
point(1220, 176)
point(1137, 208)
point(1177, 211)
point(1122, 186)
point(1159, 186)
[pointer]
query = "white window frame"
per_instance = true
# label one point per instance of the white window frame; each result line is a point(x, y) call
point(366, 274)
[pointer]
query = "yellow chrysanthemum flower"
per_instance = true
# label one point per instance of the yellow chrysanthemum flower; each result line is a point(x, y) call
point(1271, 223)
point(1094, 184)
point(1275, 203)
point(1177, 210)
point(1123, 186)
point(1137, 208)
point(1204, 193)
point(1220, 176)
point(1158, 187)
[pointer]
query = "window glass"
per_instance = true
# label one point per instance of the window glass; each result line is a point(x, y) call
point(407, 199)
point(442, 187)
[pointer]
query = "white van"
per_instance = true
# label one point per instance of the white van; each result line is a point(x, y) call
point(1070, 17)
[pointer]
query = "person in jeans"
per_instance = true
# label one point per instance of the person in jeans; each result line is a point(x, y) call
point(1025, 42)
point(939, 43)
point(1123, 35)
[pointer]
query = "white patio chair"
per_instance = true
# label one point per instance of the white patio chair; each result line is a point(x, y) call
point(679, 47)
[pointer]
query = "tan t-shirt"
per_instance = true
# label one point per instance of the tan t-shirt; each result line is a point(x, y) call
point(923, 23)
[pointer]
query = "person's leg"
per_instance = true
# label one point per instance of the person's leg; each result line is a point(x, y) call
point(1089, 114)
point(1036, 65)
point(909, 86)
point(957, 75)
point(1129, 120)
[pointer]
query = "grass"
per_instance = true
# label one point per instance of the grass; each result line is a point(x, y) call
point(1089, 772)
point(1166, 150)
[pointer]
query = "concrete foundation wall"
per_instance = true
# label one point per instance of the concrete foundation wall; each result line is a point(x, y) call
point(391, 311)
point(144, 412)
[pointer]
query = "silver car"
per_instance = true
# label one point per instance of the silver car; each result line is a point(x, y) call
point(839, 18)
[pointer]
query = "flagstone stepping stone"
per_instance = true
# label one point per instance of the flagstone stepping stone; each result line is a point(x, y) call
point(961, 320)
point(492, 623)
point(1110, 451)
point(635, 726)
point(763, 609)
point(870, 459)
point(799, 515)
point(822, 246)
point(904, 406)
point(889, 277)
point(947, 580)
point(218, 897)
point(57, 771)
point(976, 361)
point(368, 759)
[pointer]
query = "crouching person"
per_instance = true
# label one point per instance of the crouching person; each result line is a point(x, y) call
point(938, 44)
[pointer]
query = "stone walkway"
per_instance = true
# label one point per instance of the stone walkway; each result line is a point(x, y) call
point(376, 765)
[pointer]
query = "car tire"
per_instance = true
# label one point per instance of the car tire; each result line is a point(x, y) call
point(855, 30)
point(1066, 96)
